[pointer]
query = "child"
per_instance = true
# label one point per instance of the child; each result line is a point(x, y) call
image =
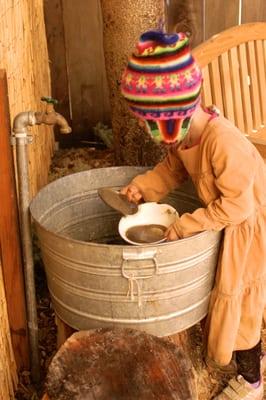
point(162, 84)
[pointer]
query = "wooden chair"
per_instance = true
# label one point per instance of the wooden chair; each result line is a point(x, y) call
point(234, 71)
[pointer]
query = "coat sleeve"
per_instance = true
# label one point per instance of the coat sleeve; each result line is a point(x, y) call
point(164, 177)
point(234, 168)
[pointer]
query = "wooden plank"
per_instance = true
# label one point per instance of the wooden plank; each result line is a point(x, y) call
point(85, 63)
point(254, 85)
point(220, 15)
point(227, 87)
point(261, 65)
point(252, 11)
point(216, 85)
point(245, 82)
point(10, 239)
point(55, 34)
point(206, 88)
point(8, 375)
point(236, 88)
point(186, 16)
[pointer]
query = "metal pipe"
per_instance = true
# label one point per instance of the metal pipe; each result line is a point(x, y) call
point(21, 139)
point(21, 135)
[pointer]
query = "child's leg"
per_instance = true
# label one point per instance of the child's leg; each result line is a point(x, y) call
point(248, 363)
point(248, 385)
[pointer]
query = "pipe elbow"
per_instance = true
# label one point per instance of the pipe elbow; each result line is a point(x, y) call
point(22, 121)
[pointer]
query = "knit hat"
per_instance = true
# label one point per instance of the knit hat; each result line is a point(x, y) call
point(162, 84)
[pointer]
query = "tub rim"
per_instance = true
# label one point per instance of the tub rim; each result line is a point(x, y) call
point(105, 245)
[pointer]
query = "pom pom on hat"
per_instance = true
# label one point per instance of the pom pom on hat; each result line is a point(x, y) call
point(162, 81)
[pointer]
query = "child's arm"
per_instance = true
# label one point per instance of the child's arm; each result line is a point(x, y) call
point(164, 177)
point(234, 167)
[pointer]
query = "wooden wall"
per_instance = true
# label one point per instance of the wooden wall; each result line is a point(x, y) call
point(205, 18)
point(76, 33)
point(23, 54)
point(75, 42)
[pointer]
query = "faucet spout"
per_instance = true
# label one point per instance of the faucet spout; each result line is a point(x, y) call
point(53, 118)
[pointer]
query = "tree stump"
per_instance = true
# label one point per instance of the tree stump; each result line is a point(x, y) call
point(106, 364)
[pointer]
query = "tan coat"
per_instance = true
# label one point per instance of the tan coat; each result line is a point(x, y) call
point(230, 177)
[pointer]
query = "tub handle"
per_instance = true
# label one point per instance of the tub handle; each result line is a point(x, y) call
point(149, 254)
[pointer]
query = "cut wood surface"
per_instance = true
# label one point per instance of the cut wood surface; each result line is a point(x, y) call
point(120, 364)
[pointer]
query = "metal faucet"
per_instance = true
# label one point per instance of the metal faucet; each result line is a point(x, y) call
point(51, 117)
point(30, 118)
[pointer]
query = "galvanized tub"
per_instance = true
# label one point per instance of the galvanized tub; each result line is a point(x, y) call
point(94, 282)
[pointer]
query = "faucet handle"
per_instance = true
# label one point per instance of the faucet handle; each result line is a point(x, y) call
point(49, 100)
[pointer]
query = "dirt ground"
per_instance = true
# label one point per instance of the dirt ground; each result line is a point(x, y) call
point(73, 160)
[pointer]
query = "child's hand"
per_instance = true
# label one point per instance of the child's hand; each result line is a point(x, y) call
point(132, 192)
point(171, 233)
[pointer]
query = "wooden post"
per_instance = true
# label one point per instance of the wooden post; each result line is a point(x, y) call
point(10, 237)
point(123, 22)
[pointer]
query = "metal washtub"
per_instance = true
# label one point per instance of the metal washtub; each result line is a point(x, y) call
point(94, 282)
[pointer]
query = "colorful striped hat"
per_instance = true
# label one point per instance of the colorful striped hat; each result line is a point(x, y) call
point(162, 81)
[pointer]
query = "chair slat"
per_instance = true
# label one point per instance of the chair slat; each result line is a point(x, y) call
point(260, 61)
point(206, 93)
point(216, 87)
point(254, 86)
point(226, 87)
point(245, 91)
point(236, 87)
